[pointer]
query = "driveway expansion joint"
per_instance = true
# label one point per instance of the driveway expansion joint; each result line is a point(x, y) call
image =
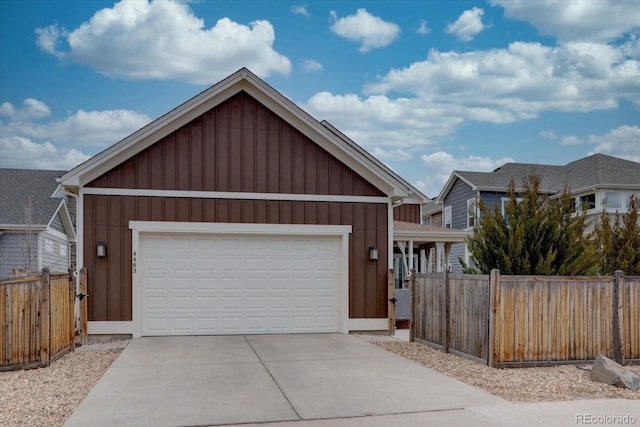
point(273, 379)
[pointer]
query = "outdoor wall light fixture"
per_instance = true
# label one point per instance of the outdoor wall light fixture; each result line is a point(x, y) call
point(101, 249)
point(373, 253)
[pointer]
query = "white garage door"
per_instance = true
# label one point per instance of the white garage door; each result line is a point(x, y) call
point(212, 284)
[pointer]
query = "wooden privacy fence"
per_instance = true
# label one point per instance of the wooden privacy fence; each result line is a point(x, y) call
point(36, 320)
point(510, 321)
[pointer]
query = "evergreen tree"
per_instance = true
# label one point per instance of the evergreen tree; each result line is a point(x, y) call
point(617, 243)
point(536, 235)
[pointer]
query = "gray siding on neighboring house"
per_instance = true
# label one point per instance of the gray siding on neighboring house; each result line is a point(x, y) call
point(54, 261)
point(12, 254)
point(457, 198)
point(56, 224)
point(457, 252)
point(492, 198)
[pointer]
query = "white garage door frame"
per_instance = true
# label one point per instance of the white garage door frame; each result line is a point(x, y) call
point(220, 229)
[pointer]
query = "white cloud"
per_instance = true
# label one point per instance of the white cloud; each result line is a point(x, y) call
point(19, 152)
point(378, 121)
point(300, 10)
point(468, 25)
point(311, 65)
point(383, 154)
point(440, 164)
point(49, 39)
point(83, 128)
point(571, 140)
point(624, 141)
point(29, 141)
point(368, 30)
point(165, 40)
point(520, 82)
point(548, 134)
point(587, 20)
point(31, 109)
point(423, 28)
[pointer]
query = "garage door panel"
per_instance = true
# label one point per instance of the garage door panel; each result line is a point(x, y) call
point(209, 284)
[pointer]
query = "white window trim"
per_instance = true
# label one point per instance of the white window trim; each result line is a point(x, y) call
point(447, 214)
point(48, 246)
point(506, 200)
point(472, 205)
point(208, 228)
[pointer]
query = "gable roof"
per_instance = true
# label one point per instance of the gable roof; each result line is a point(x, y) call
point(18, 186)
point(324, 135)
point(597, 170)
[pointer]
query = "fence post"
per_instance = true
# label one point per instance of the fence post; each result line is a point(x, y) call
point(447, 311)
point(494, 282)
point(45, 320)
point(616, 312)
point(412, 299)
point(83, 307)
point(391, 304)
point(71, 331)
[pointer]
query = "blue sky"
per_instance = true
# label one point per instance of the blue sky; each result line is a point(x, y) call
point(425, 86)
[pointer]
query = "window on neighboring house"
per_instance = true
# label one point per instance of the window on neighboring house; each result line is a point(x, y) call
point(447, 217)
point(48, 246)
point(627, 199)
point(613, 200)
point(588, 201)
point(426, 221)
point(472, 213)
point(505, 202)
point(63, 250)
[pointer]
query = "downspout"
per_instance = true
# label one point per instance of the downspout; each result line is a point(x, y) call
point(76, 280)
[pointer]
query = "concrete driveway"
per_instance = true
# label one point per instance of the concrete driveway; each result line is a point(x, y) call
point(217, 380)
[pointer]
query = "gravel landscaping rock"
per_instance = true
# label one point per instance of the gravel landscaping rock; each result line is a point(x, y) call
point(564, 382)
point(48, 396)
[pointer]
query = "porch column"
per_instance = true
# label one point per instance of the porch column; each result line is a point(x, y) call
point(411, 266)
point(440, 257)
point(423, 261)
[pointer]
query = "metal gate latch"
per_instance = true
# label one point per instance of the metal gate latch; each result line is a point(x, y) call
point(81, 296)
point(393, 300)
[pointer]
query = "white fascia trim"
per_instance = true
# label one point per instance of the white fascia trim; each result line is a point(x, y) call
point(449, 184)
point(139, 192)
point(110, 328)
point(63, 210)
point(239, 228)
point(79, 235)
point(369, 324)
point(390, 236)
point(341, 231)
point(433, 236)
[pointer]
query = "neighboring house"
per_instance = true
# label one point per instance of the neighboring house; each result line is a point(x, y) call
point(36, 229)
point(237, 212)
point(432, 214)
point(597, 182)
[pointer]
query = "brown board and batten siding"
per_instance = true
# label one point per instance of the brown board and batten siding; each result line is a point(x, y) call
point(238, 146)
point(407, 213)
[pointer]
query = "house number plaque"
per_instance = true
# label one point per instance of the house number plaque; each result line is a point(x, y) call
point(133, 262)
